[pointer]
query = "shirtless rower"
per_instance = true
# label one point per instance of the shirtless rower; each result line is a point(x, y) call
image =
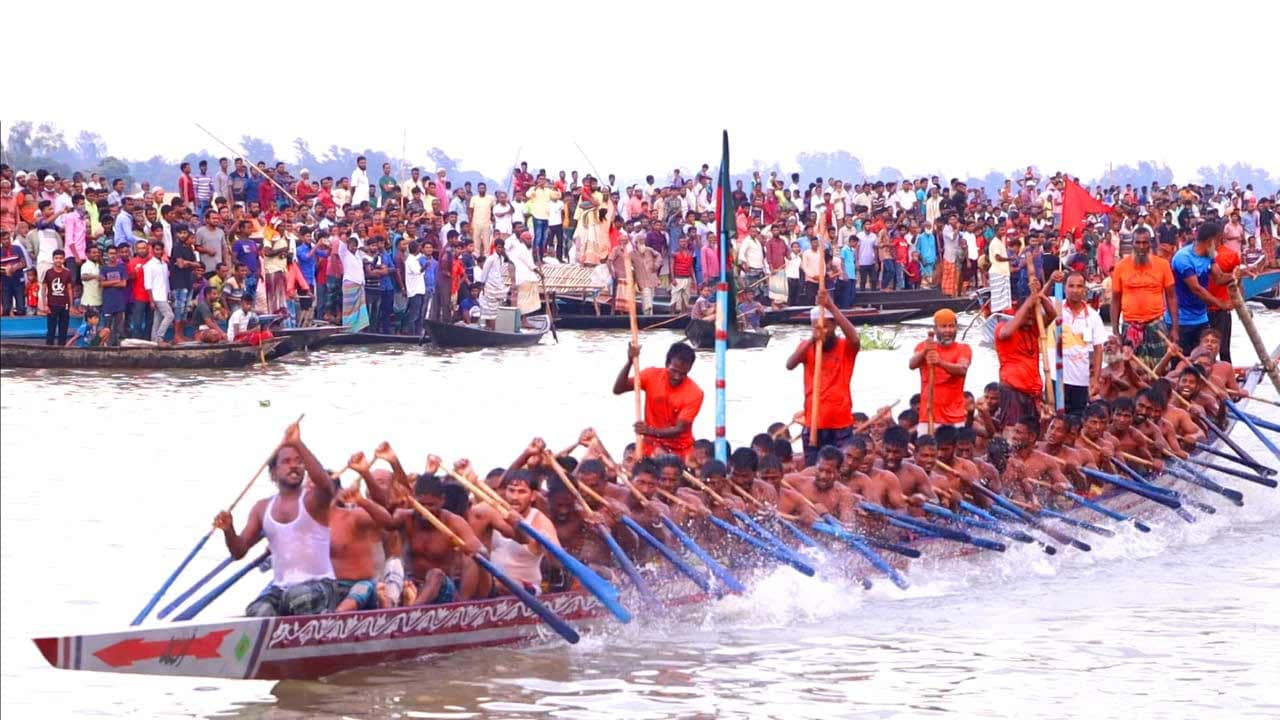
point(592, 473)
point(1183, 423)
point(650, 511)
point(295, 522)
point(1026, 462)
point(1094, 441)
point(743, 466)
point(1057, 443)
point(873, 484)
point(985, 411)
point(913, 482)
point(1148, 419)
point(827, 496)
point(1119, 376)
point(1222, 373)
point(671, 400)
point(1127, 438)
point(1189, 384)
point(356, 524)
point(576, 530)
point(966, 449)
point(432, 554)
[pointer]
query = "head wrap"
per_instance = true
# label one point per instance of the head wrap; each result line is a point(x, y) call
point(945, 315)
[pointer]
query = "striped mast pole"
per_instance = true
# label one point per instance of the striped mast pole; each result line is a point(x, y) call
point(724, 220)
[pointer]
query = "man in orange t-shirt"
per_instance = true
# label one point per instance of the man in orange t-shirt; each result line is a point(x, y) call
point(948, 361)
point(1141, 292)
point(835, 403)
point(671, 401)
point(1018, 349)
point(1228, 260)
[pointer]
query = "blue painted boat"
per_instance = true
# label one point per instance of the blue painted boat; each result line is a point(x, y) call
point(22, 327)
point(1264, 284)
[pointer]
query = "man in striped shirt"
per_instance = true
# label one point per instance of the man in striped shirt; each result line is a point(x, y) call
point(204, 189)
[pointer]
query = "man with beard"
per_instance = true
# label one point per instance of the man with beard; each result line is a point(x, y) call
point(1018, 347)
point(1149, 420)
point(295, 522)
point(821, 489)
point(913, 482)
point(1142, 289)
point(947, 362)
point(832, 390)
point(1118, 376)
point(1093, 440)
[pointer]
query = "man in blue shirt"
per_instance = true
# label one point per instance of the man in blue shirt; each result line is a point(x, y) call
point(245, 250)
point(1192, 267)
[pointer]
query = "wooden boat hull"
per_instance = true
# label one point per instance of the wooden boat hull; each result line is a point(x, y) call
point(702, 335)
point(368, 338)
point(1264, 284)
point(181, 357)
point(307, 338)
point(620, 322)
point(317, 646)
point(858, 315)
point(447, 335)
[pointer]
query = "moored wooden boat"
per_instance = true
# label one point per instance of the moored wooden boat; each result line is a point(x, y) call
point(370, 338)
point(619, 322)
point(448, 335)
point(307, 338)
point(189, 356)
point(702, 335)
point(857, 315)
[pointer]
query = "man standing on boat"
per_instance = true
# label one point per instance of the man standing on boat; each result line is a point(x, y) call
point(1141, 292)
point(1083, 336)
point(948, 362)
point(671, 401)
point(295, 522)
point(835, 402)
point(1018, 348)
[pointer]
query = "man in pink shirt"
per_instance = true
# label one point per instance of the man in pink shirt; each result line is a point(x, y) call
point(709, 258)
point(1106, 255)
point(75, 226)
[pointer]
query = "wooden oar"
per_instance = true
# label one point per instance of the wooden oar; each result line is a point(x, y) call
point(546, 299)
point(1255, 338)
point(929, 389)
point(1023, 516)
point(676, 561)
point(1044, 351)
point(771, 544)
point(604, 591)
point(196, 550)
point(1208, 425)
point(542, 611)
point(628, 567)
point(222, 587)
point(635, 345)
point(816, 399)
point(853, 539)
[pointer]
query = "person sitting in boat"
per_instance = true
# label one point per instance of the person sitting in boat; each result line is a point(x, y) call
point(750, 311)
point(295, 522)
point(245, 326)
point(521, 559)
point(913, 482)
point(704, 308)
point(90, 333)
point(1027, 465)
point(432, 554)
point(578, 531)
point(469, 309)
point(206, 317)
point(356, 524)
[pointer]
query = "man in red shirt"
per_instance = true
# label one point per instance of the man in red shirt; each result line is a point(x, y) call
point(671, 401)
point(948, 362)
point(682, 280)
point(186, 186)
point(1228, 260)
point(835, 402)
point(139, 298)
point(1018, 349)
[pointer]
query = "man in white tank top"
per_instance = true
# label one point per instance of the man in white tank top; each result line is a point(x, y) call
point(522, 562)
point(296, 523)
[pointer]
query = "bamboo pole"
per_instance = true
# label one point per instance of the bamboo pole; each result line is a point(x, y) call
point(1246, 319)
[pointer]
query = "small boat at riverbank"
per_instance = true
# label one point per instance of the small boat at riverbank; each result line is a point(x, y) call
point(371, 338)
point(448, 335)
point(620, 322)
point(857, 315)
point(307, 338)
point(188, 356)
point(702, 335)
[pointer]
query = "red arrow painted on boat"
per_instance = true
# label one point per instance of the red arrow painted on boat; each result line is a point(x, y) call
point(171, 651)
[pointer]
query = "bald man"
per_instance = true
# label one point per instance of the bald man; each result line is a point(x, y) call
point(947, 362)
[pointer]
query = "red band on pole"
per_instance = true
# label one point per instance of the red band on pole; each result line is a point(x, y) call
point(719, 383)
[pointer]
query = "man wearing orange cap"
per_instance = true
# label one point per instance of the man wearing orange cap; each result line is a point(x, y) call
point(947, 361)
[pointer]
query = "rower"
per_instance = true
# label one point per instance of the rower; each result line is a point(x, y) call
point(743, 466)
point(913, 482)
point(947, 361)
point(1093, 440)
point(966, 449)
point(1027, 463)
point(1128, 439)
point(1183, 424)
point(946, 440)
point(1148, 419)
point(1057, 442)
point(985, 412)
point(1190, 385)
point(871, 483)
point(1222, 373)
point(521, 560)
point(835, 403)
point(827, 496)
point(1018, 348)
point(355, 540)
point(433, 556)
point(1118, 375)
point(575, 528)
point(650, 511)
point(671, 400)
point(948, 486)
point(592, 473)
point(295, 522)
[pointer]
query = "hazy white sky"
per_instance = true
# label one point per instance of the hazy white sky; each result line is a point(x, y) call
point(957, 87)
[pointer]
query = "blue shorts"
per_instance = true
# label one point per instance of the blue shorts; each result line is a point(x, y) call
point(364, 592)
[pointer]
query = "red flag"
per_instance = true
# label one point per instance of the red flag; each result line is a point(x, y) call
point(1076, 203)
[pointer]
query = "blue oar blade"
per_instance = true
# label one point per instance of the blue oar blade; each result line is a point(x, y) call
point(676, 561)
point(204, 602)
point(556, 622)
point(1247, 419)
point(628, 567)
point(172, 577)
point(605, 592)
point(720, 571)
point(855, 542)
point(164, 612)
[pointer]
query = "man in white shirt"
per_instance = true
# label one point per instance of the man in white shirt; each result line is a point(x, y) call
point(360, 182)
point(155, 278)
point(1083, 336)
point(415, 289)
point(238, 323)
point(525, 274)
point(502, 214)
point(751, 262)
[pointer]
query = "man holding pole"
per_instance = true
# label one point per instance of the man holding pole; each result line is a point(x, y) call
point(943, 364)
point(671, 401)
point(1018, 349)
point(835, 402)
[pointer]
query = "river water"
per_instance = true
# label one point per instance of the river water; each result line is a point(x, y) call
point(109, 478)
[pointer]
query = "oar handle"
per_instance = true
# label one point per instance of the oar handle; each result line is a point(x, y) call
point(542, 611)
point(204, 602)
point(676, 561)
point(704, 487)
point(261, 467)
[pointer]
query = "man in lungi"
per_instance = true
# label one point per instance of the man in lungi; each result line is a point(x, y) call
point(494, 278)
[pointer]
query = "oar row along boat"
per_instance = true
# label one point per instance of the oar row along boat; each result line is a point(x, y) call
point(310, 647)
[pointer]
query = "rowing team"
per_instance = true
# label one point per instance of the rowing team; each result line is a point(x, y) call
point(411, 540)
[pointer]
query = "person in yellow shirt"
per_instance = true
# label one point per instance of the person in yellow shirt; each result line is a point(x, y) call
point(480, 212)
point(539, 200)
